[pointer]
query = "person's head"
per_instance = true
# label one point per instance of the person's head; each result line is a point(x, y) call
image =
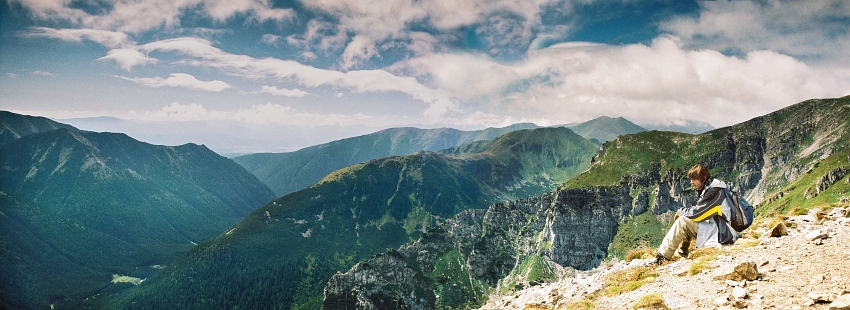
point(699, 175)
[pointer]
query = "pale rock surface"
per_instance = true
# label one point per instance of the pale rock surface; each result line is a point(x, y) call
point(777, 273)
point(841, 303)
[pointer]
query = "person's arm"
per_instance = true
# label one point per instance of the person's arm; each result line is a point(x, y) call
point(709, 204)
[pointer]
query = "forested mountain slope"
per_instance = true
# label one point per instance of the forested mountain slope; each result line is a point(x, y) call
point(78, 207)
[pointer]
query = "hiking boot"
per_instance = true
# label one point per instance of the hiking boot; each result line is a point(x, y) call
point(660, 259)
point(683, 253)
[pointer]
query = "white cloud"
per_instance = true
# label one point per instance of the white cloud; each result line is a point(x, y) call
point(109, 39)
point(181, 80)
point(136, 16)
point(270, 39)
point(319, 37)
point(506, 26)
point(506, 35)
point(464, 76)
point(815, 30)
point(43, 73)
point(360, 81)
point(359, 49)
point(262, 10)
point(658, 83)
point(128, 58)
point(274, 91)
point(664, 82)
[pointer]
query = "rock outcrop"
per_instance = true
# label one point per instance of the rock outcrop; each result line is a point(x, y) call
point(568, 227)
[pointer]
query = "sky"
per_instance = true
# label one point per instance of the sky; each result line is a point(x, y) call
point(265, 75)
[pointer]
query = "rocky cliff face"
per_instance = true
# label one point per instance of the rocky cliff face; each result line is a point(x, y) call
point(455, 264)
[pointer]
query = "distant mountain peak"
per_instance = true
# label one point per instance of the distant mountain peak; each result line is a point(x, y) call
point(606, 128)
point(14, 126)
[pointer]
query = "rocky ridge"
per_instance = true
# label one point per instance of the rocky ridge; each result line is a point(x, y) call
point(804, 267)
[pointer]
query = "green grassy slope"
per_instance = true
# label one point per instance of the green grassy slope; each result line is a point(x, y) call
point(104, 204)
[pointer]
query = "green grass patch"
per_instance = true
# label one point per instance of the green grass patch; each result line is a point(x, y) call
point(532, 271)
point(455, 286)
point(644, 230)
point(418, 221)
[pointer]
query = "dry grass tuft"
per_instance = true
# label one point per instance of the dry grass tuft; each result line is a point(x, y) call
point(641, 252)
point(651, 301)
point(702, 259)
point(584, 304)
point(628, 280)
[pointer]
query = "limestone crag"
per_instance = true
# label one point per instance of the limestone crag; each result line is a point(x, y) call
point(830, 178)
point(568, 227)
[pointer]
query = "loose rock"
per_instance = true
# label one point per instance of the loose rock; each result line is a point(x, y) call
point(841, 303)
point(837, 212)
point(778, 231)
point(816, 234)
point(743, 271)
point(820, 297)
point(739, 293)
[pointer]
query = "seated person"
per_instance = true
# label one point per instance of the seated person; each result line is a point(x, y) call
point(703, 219)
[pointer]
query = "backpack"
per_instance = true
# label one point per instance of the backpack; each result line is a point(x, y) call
point(742, 212)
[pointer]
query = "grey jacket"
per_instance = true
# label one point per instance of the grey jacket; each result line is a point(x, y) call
point(709, 213)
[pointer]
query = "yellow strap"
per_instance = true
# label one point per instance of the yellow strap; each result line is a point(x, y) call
point(710, 212)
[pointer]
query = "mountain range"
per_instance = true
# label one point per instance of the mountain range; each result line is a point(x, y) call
point(82, 208)
point(282, 255)
point(293, 171)
point(786, 161)
point(152, 203)
point(289, 172)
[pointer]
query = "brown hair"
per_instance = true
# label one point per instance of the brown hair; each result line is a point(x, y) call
point(699, 172)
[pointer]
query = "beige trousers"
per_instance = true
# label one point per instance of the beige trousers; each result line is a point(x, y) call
point(679, 236)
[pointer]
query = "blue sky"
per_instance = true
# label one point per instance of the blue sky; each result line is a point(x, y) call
point(260, 75)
